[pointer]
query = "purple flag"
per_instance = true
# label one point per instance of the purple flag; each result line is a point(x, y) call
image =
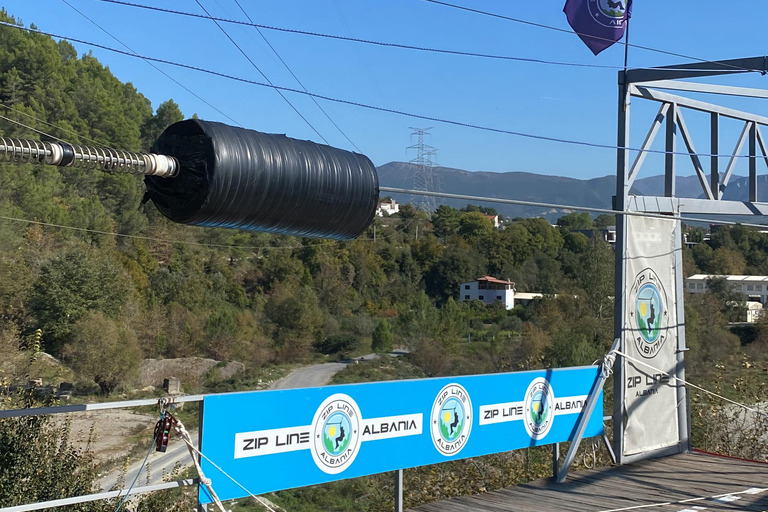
point(599, 23)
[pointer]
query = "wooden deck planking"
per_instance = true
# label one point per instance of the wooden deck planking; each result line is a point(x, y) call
point(670, 479)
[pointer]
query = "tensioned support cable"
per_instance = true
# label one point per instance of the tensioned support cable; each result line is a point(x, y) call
point(555, 206)
point(62, 154)
point(686, 383)
point(182, 431)
point(206, 481)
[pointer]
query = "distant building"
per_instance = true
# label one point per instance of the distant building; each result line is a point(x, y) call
point(489, 289)
point(754, 288)
point(754, 311)
point(494, 220)
point(525, 299)
point(608, 234)
point(388, 206)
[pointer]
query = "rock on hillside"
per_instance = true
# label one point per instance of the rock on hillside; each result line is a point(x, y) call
point(153, 371)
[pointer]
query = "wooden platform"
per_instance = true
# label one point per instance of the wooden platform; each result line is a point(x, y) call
point(692, 482)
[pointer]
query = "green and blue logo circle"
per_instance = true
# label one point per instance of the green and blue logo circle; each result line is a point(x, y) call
point(336, 433)
point(539, 408)
point(649, 309)
point(648, 317)
point(451, 419)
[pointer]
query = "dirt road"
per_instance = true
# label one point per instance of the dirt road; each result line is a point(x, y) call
point(317, 375)
point(310, 376)
point(158, 464)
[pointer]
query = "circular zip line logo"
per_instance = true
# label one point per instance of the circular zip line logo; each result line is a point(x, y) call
point(336, 433)
point(539, 408)
point(608, 13)
point(648, 314)
point(451, 419)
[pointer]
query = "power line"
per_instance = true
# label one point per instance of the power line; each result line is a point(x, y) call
point(297, 78)
point(555, 206)
point(371, 107)
point(150, 63)
point(39, 132)
point(66, 130)
point(358, 40)
point(422, 48)
point(566, 31)
point(262, 73)
point(151, 238)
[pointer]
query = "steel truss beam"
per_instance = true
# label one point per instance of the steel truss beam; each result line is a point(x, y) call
point(726, 90)
point(687, 206)
point(702, 106)
point(696, 69)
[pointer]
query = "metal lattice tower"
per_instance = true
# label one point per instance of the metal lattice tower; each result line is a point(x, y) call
point(424, 177)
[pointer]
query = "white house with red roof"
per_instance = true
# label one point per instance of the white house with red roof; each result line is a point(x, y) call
point(489, 289)
point(494, 220)
point(388, 206)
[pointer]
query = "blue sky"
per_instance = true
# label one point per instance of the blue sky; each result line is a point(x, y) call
point(563, 102)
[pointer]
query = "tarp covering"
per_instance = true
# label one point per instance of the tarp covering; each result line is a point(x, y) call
point(650, 334)
point(243, 179)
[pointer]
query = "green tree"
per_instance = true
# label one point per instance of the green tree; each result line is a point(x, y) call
point(727, 261)
point(595, 276)
point(69, 286)
point(382, 337)
point(104, 351)
point(576, 221)
point(457, 265)
point(341, 344)
point(604, 220)
point(544, 237)
point(474, 227)
point(39, 462)
point(445, 221)
point(485, 210)
point(167, 113)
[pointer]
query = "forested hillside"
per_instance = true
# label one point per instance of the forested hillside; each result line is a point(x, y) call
point(166, 290)
point(99, 281)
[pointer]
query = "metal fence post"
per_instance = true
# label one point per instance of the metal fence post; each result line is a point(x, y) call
point(399, 490)
point(200, 506)
point(555, 459)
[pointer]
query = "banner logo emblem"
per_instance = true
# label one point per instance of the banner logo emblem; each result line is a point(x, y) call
point(649, 313)
point(539, 408)
point(451, 419)
point(608, 13)
point(336, 432)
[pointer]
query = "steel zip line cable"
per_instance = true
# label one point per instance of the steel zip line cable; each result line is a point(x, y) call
point(567, 31)
point(297, 78)
point(150, 63)
point(280, 92)
point(555, 206)
point(404, 46)
point(371, 107)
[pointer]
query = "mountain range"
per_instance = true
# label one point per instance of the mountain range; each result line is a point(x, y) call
point(596, 192)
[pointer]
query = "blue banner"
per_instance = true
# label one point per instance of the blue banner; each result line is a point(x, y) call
point(273, 440)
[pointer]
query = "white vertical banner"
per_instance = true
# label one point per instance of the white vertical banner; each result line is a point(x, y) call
point(650, 334)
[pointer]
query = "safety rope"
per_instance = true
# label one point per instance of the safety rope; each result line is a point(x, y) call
point(179, 426)
point(143, 464)
point(207, 481)
point(686, 383)
point(608, 361)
